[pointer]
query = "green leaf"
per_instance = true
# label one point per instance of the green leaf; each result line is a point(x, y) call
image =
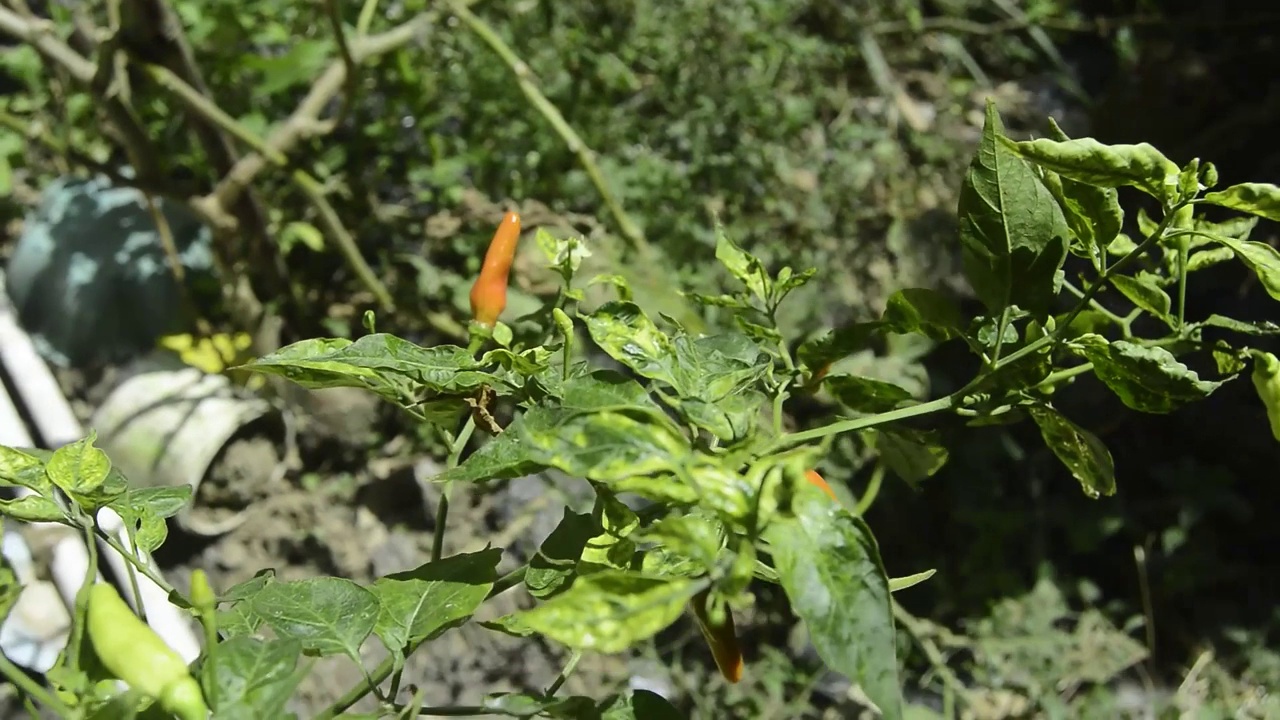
point(1261, 258)
point(301, 232)
point(611, 547)
point(1143, 292)
point(839, 343)
point(623, 331)
point(502, 458)
point(923, 311)
point(1090, 162)
point(10, 588)
point(33, 508)
point(246, 678)
point(1080, 450)
point(299, 64)
point(830, 568)
point(641, 705)
point(744, 266)
point(902, 583)
point(162, 502)
point(1012, 233)
point(603, 446)
point(420, 604)
point(555, 565)
point(610, 611)
point(685, 545)
point(1259, 328)
point(395, 369)
point(1261, 199)
point(605, 390)
point(866, 395)
point(328, 615)
point(1145, 379)
point(24, 470)
point(79, 468)
point(1093, 213)
point(914, 455)
point(521, 705)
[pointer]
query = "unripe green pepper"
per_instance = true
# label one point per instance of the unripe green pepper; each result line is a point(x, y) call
point(132, 651)
point(1266, 380)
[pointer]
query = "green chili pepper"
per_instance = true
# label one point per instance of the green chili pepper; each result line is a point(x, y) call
point(1266, 380)
point(132, 651)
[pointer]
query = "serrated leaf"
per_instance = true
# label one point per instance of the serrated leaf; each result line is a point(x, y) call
point(830, 568)
point(866, 395)
point(1261, 199)
point(1144, 293)
point(1012, 233)
point(1088, 161)
point(328, 615)
point(1145, 379)
point(1261, 258)
point(554, 567)
point(913, 455)
point(1084, 455)
point(247, 678)
point(391, 367)
point(611, 610)
point(416, 605)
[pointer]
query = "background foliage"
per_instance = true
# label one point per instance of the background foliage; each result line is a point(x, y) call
point(824, 134)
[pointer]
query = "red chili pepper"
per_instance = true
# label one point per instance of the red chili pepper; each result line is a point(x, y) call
point(489, 293)
point(722, 638)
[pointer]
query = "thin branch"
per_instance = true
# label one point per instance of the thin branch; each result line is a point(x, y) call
point(312, 188)
point(39, 34)
point(349, 62)
point(586, 156)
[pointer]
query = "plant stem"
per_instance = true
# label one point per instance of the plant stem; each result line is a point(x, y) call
point(873, 489)
point(24, 682)
point(1124, 323)
point(551, 113)
point(135, 562)
point(844, 426)
point(565, 673)
point(442, 511)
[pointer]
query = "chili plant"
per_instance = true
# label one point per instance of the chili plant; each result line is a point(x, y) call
point(699, 486)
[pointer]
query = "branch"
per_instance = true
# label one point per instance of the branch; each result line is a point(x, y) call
point(39, 34)
point(549, 111)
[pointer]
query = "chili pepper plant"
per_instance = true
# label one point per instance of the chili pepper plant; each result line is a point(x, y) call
point(700, 485)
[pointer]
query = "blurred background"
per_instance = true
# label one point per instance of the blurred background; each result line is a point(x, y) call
point(823, 133)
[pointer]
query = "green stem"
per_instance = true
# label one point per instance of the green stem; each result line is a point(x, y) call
point(844, 426)
point(1000, 328)
point(1182, 283)
point(442, 512)
point(1124, 323)
point(873, 489)
point(565, 673)
point(24, 682)
point(135, 562)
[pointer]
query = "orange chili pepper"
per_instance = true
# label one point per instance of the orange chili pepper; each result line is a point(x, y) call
point(722, 638)
point(489, 293)
point(813, 477)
